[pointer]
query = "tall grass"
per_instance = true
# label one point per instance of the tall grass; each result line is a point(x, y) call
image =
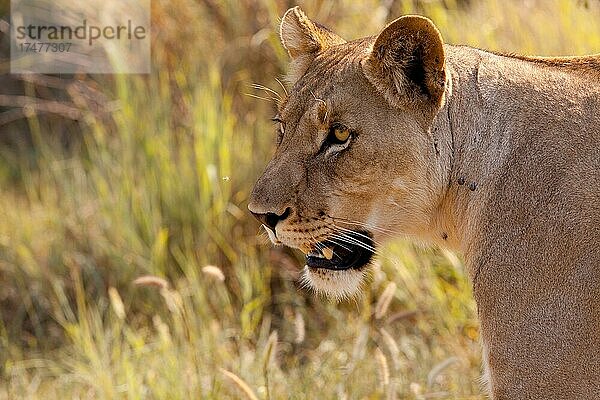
point(159, 191)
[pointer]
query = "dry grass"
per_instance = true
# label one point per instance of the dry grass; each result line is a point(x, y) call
point(130, 269)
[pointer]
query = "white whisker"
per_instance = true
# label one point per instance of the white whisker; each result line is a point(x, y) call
point(350, 240)
point(282, 86)
point(363, 225)
point(270, 99)
point(355, 233)
point(338, 244)
point(258, 86)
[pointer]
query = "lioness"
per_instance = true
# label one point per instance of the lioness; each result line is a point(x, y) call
point(495, 156)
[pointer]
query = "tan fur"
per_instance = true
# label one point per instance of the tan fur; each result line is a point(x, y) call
point(303, 40)
point(495, 156)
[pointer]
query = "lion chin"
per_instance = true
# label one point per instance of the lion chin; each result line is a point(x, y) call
point(336, 285)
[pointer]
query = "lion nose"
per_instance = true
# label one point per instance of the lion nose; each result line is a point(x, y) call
point(271, 219)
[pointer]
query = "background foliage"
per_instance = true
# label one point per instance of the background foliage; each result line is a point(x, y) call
point(106, 179)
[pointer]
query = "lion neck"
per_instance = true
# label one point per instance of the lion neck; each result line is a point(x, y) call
point(474, 136)
point(455, 130)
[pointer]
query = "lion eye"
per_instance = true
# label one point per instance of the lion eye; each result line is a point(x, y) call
point(338, 134)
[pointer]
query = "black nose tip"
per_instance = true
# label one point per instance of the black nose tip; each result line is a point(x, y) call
point(271, 219)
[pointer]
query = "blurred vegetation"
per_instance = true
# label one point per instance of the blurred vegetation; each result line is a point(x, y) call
point(107, 179)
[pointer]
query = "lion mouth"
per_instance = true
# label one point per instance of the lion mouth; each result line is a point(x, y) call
point(350, 250)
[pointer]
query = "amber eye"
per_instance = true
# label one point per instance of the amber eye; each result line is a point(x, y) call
point(339, 134)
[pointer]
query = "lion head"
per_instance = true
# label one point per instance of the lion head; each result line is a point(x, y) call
point(356, 161)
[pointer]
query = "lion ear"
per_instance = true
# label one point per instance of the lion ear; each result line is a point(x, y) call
point(407, 63)
point(303, 40)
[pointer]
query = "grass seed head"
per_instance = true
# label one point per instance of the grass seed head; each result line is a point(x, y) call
point(214, 272)
point(151, 280)
point(384, 300)
point(116, 302)
point(240, 384)
point(383, 371)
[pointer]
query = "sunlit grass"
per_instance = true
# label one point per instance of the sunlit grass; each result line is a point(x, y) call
point(161, 191)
